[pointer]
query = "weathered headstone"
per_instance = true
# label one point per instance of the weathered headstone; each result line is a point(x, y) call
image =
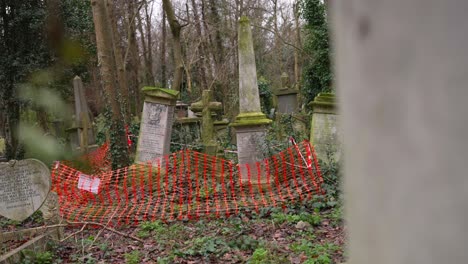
point(82, 114)
point(221, 129)
point(325, 133)
point(286, 96)
point(206, 106)
point(181, 109)
point(251, 123)
point(156, 124)
point(24, 186)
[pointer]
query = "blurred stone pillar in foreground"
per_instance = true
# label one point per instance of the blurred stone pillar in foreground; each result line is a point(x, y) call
point(402, 78)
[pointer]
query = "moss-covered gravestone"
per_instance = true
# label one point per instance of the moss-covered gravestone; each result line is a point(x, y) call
point(156, 124)
point(251, 123)
point(325, 133)
point(206, 106)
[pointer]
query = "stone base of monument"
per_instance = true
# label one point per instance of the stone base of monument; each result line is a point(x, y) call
point(325, 134)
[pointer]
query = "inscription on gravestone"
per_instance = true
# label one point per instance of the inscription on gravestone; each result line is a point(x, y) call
point(24, 186)
point(155, 131)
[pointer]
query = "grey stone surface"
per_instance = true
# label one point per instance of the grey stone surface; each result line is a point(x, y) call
point(249, 99)
point(82, 114)
point(287, 103)
point(250, 124)
point(402, 77)
point(24, 186)
point(250, 143)
point(301, 225)
point(325, 134)
point(51, 213)
point(155, 131)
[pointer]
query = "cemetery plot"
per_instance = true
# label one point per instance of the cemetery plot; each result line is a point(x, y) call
point(187, 185)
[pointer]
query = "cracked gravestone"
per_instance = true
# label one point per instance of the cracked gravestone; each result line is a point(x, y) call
point(24, 186)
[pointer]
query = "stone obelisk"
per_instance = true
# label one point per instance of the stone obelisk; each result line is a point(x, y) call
point(250, 124)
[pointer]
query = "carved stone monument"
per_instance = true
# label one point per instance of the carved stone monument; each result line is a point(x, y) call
point(251, 123)
point(156, 124)
point(206, 106)
point(325, 134)
point(286, 96)
point(81, 123)
point(24, 186)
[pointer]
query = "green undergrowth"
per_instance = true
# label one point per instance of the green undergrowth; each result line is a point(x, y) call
point(310, 232)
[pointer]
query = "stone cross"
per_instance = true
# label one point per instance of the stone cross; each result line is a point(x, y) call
point(24, 186)
point(156, 124)
point(206, 106)
point(251, 123)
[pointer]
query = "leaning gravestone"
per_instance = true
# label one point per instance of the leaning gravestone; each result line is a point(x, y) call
point(24, 186)
point(156, 124)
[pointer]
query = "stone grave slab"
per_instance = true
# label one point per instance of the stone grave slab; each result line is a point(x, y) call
point(24, 186)
point(156, 124)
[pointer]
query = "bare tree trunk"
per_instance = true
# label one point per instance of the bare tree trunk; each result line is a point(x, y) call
point(202, 48)
point(149, 61)
point(106, 59)
point(297, 60)
point(133, 59)
point(175, 29)
point(121, 74)
point(146, 79)
point(163, 51)
point(219, 50)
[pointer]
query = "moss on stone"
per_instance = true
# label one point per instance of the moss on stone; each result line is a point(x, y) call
point(244, 19)
point(155, 91)
point(251, 119)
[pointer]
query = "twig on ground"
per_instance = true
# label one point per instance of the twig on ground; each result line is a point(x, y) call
point(85, 224)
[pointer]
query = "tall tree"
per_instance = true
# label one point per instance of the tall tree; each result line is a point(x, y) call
point(119, 61)
point(163, 50)
point(132, 58)
point(176, 45)
point(21, 24)
point(149, 60)
point(103, 27)
point(317, 73)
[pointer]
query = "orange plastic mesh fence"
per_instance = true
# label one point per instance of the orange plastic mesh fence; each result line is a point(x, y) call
point(186, 185)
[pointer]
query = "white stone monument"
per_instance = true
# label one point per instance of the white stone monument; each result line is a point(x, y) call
point(24, 186)
point(156, 124)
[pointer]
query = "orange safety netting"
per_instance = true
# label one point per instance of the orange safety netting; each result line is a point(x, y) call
point(187, 185)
